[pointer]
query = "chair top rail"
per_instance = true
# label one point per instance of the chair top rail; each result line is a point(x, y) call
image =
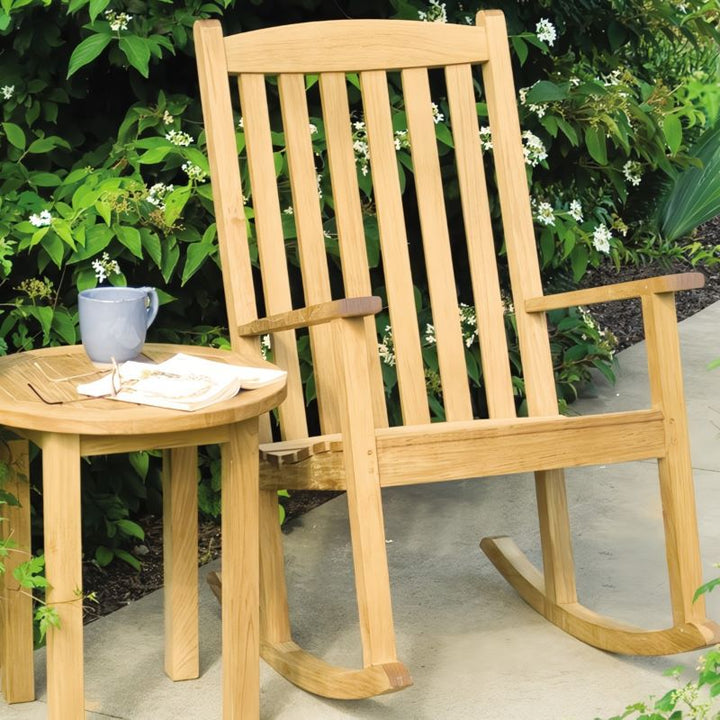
point(354, 46)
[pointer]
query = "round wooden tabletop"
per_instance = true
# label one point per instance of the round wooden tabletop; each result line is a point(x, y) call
point(38, 392)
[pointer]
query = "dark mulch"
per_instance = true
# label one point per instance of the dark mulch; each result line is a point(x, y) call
point(118, 585)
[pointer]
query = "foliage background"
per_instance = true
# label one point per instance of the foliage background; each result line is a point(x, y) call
point(103, 171)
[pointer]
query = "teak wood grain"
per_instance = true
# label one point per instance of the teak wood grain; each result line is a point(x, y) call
point(39, 402)
point(344, 70)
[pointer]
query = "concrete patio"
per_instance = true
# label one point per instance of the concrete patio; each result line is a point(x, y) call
point(475, 650)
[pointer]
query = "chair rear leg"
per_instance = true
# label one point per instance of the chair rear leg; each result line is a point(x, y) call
point(16, 624)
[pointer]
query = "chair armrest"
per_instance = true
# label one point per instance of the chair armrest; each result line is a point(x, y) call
point(618, 291)
point(313, 315)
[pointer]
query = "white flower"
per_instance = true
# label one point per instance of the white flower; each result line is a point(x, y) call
point(313, 129)
point(468, 323)
point(288, 210)
point(576, 211)
point(533, 149)
point(438, 117)
point(265, 347)
point(401, 139)
point(430, 338)
point(177, 137)
point(522, 93)
point(486, 138)
point(386, 348)
point(632, 170)
point(546, 32)
point(168, 118)
point(104, 266)
point(157, 193)
point(545, 214)
point(42, 220)
point(360, 146)
point(118, 21)
point(601, 239)
point(194, 172)
point(436, 12)
point(241, 123)
point(7, 91)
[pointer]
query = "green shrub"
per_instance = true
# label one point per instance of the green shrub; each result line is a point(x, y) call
point(103, 174)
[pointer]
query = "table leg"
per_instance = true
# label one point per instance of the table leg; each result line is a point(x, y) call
point(180, 551)
point(241, 573)
point(63, 569)
point(16, 624)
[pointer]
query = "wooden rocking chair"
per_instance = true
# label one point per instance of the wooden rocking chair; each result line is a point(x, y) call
point(355, 448)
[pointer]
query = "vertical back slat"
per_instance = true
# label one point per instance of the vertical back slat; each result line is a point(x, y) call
point(436, 245)
point(517, 219)
point(225, 174)
point(271, 247)
point(393, 244)
point(311, 241)
point(348, 217)
point(481, 248)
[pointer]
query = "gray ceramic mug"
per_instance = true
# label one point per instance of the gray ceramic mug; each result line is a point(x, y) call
point(113, 321)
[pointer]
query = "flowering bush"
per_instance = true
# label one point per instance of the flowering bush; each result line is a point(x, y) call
point(104, 178)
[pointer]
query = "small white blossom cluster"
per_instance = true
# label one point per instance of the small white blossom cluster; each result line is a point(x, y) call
point(179, 138)
point(436, 12)
point(7, 91)
point(438, 117)
point(576, 211)
point(546, 32)
point(265, 347)
point(167, 118)
point(401, 139)
point(386, 348)
point(241, 123)
point(545, 214)
point(606, 340)
point(104, 267)
point(194, 172)
point(486, 138)
point(601, 239)
point(614, 78)
point(157, 193)
point(539, 110)
point(42, 220)
point(632, 170)
point(313, 129)
point(289, 210)
point(360, 146)
point(118, 20)
point(534, 149)
point(468, 325)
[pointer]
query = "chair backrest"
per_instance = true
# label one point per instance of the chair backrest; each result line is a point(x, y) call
point(360, 69)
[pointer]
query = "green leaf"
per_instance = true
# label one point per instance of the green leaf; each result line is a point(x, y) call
point(141, 462)
point(568, 130)
point(130, 528)
point(128, 558)
point(96, 7)
point(156, 154)
point(545, 91)
point(63, 325)
point(596, 144)
point(87, 51)
point(175, 202)
point(130, 238)
point(197, 254)
point(103, 555)
point(579, 261)
point(14, 135)
point(673, 132)
point(520, 47)
point(151, 244)
point(54, 247)
point(137, 52)
point(45, 179)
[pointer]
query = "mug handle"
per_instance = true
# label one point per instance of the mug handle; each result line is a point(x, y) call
point(152, 308)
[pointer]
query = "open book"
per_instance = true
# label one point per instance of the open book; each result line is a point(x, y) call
point(184, 382)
